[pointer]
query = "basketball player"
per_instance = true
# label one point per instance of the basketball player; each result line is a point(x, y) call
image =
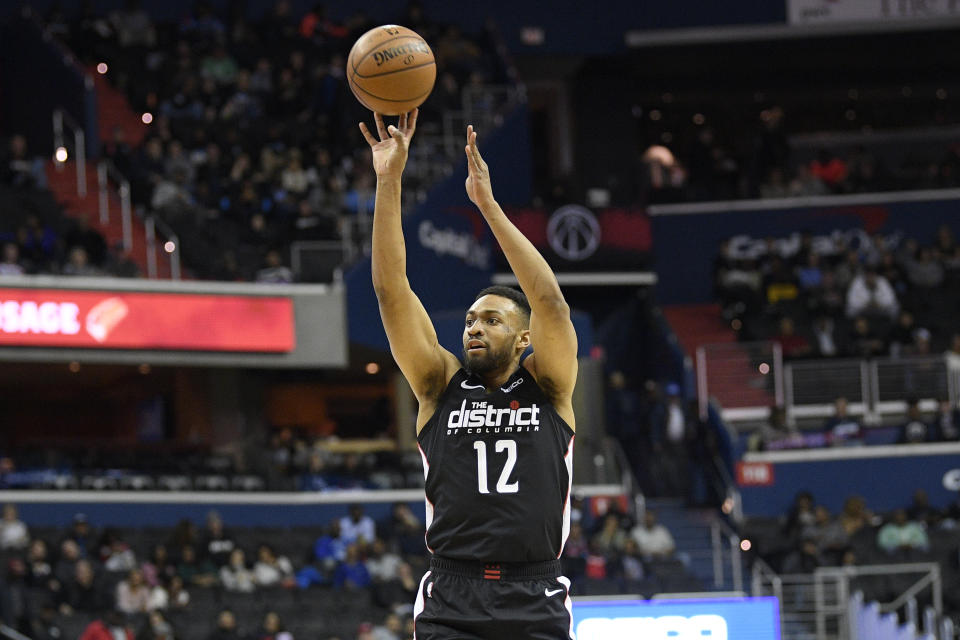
point(495, 434)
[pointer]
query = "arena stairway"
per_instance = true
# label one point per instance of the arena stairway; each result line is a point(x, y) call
point(696, 325)
point(63, 185)
point(690, 528)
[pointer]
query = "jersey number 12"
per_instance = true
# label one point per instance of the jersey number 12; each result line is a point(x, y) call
point(510, 446)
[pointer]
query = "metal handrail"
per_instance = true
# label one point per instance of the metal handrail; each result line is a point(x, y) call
point(151, 223)
point(12, 634)
point(719, 529)
point(107, 171)
point(61, 117)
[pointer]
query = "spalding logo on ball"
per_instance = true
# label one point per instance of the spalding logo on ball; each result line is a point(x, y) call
point(391, 69)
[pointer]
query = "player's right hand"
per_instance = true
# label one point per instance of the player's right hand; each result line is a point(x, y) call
point(390, 152)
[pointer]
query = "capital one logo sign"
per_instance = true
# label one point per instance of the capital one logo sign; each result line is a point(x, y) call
point(702, 627)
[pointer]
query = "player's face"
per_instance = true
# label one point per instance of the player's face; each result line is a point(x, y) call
point(490, 334)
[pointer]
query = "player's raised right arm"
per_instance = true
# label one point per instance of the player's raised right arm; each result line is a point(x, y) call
point(413, 340)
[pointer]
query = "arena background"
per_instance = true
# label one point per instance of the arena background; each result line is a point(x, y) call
point(751, 209)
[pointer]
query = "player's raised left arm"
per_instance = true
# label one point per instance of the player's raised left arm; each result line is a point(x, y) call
point(552, 335)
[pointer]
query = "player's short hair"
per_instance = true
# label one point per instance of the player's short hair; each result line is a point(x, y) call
point(514, 295)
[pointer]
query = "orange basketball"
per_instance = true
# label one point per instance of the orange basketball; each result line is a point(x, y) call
point(391, 69)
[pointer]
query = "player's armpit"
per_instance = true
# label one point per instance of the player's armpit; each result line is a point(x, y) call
point(554, 341)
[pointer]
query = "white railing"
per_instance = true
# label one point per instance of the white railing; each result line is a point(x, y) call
point(171, 246)
point(60, 153)
point(747, 378)
point(725, 546)
point(817, 605)
point(106, 171)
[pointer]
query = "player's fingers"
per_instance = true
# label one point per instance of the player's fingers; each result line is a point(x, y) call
point(381, 128)
point(412, 120)
point(366, 134)
point(471, 162)
point(397, 134)
point(402, 122)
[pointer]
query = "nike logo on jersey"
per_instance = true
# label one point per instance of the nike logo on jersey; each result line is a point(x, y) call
point(471, 386)
point(553, 592)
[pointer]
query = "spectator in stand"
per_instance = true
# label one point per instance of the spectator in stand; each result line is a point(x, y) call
point(901, 334)
point(66, 565)
point(947, 422)
point(775, 433)
point(10, 264)
point(115, 554)
point(652, 538)
point(826, 342)
point(78, 264)
point(81, 234)
point(382, 564)
point(902, 536)
point(631, 568)
point(158, 568)
point(272, 628)
point(19, 169)
point(669, 434)
point(81, 533)
point(830, 169)
point(406, 530)
point(271, 570)
point(863, 341)
point(274, 271)
point(915, 429)
point(235, 575)
point(920, 510)
point(352, 573)
point(871, 294)
point(611, 537)
point(217, 544)
point(40, 574)
point(157, 627)
point(792, 344)
point(84, 593)
point(110, 627)
point(952, 355)
point(402, 589)
point(200, 572)
point(133, 594)
point(391, 629)
point(226, 628)
point(800, 516)
point(357, 528)
point(842, 428)
point(14, 535)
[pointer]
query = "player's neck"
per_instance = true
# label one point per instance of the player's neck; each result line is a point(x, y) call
point(498, 377)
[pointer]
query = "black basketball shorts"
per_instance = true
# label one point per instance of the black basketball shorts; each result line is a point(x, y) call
point(477, 601)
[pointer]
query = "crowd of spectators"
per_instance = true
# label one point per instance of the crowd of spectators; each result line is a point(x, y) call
point(845, 429)
point(809, 536)
point(703, 167)
point(843, 295)
point(178, 582)
point(253, 143)
point(35, 236)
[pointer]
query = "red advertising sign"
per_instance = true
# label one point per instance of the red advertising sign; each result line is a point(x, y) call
point(121, 320)
point(754, 474)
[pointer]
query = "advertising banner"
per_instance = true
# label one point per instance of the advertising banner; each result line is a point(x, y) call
point(142, 320)
point(577, 238)
point(713, 618)
point(804, 12)
point(769, 481)
point(688, 238)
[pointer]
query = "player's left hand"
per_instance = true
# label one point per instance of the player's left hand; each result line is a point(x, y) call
point(478, 174)
point(390, 152)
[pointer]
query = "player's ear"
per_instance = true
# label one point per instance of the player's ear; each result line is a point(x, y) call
point(524, 338)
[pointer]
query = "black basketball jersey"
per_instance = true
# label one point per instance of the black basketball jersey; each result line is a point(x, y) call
point(498, 468)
